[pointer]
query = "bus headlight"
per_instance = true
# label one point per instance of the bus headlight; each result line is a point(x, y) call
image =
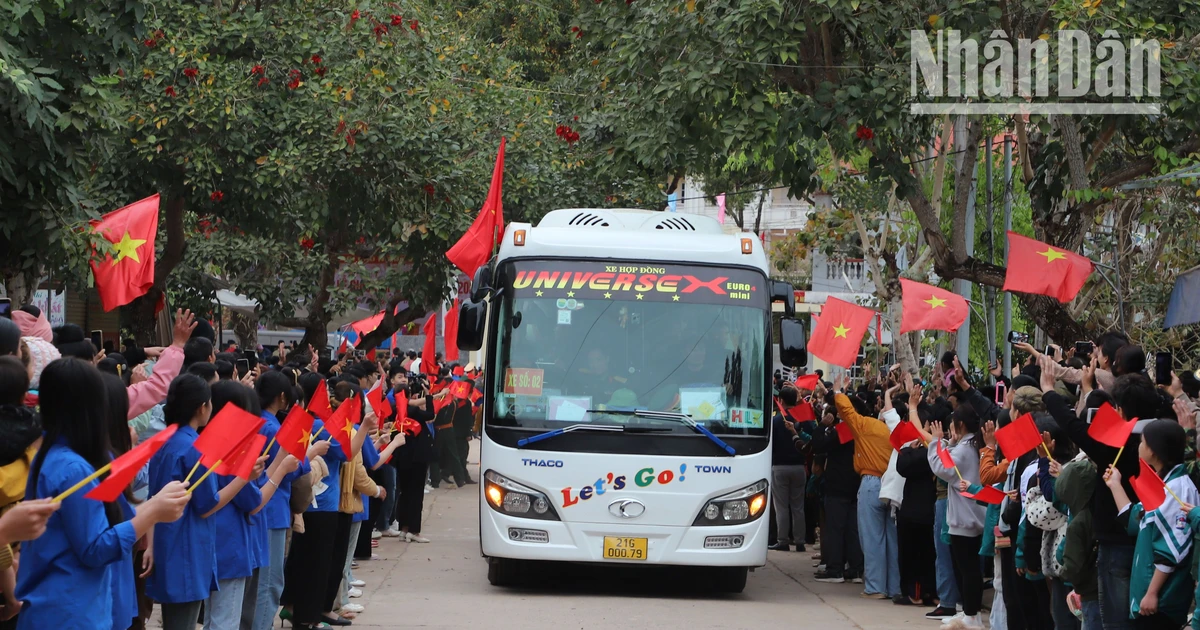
point(735, 508)
point(509, 497)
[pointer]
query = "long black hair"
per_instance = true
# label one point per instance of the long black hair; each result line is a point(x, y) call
point(119, 438)
point(967, 420)
point(270, 385)
point(186, 395)
point(74, 407)
point(234, 393)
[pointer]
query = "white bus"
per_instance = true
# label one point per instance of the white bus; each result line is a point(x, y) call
point(627, 395)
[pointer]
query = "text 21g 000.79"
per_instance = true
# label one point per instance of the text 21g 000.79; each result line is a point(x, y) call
point(621, 548)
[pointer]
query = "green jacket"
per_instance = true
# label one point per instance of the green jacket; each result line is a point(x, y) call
point(1074, 486)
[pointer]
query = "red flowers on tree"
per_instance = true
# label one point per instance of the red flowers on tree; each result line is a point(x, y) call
point(430, 190)
point(170, 91)
point(294, 79)
point(864, 133)
point(316, 60)
point(307, 243)
point(258, 70)
point(566, 133)
point(150, 43)
point(415, 26)
point(320, 71)
point(578, 33)
point(263, 81)
point(217, 196)
point(191, 73)
point(380, 30)
point(353, 18)
point(397, 20)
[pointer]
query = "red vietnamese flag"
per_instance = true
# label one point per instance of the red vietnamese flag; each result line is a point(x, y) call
point(125, 271)
point(987, 494)
point(927, 307)
point(460, 390)
point(341, 425)
point(1148, 487)
point(1035, 267)
point(224, 434)
point(803, 412)
point(1018, 437)
point(295, 434)
point(126, 467)
point(429, 351)
point(837, 337)
point(808, 381)
point(319, 405)
point(476, 245)
point(401, 406)
point(904, 433)
point(370, 356)
point(1108, 427)
point(944, 455)
point(844, 433)
point(450, 333)
point(378, 403)
point(242, 459)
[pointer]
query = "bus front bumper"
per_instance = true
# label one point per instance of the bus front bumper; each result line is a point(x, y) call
point(504, 536)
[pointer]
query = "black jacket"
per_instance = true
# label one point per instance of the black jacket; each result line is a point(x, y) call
point(920, 488)
point(840, 479)
point(1106, 529)
point(783, 447)
point(417, 449)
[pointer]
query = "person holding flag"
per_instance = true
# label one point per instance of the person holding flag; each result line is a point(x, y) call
point(789, 473)
point(964, 516)
point(413, 458)
point(87, 542)
point(840, 548)
point(1161, 584)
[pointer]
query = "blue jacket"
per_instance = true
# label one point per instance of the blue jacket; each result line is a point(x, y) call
point(328, 500)
point(236, 555)
point(67, 575)
point(185, 552)
point(370, 456)
point(278, 512)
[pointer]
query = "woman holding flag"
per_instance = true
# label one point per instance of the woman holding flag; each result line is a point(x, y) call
point(964, 516)
point(1160, 582)
point(68, 576)
point(184, 552)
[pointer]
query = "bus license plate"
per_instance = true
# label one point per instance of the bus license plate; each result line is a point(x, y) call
point(621, 548)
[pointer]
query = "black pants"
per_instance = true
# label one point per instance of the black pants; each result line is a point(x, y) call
point(446, 462)
point(968, 573)
point(839, 540)
point(1059, 610)
point(313, 571)
point(410, 484)
point(362, 548)
point(918, 576)
point(1157, 621)
point(462, 444)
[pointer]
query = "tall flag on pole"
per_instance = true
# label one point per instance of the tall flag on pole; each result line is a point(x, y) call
point(926, 307)
point(839, 333)
point(450, 333)
point(475, 247)
point(429, 352)
point(125, 271)
point(1035, 267)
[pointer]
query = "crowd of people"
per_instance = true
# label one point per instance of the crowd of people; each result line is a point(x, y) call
point(218, 549)
point(1069, 546)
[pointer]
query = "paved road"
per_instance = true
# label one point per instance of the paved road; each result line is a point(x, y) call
point(444, 584)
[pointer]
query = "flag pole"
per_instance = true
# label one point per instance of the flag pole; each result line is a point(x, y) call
point(203, 477)
point(269, 445)
point(1118, 457)
point(82, 482)
point(191, 472)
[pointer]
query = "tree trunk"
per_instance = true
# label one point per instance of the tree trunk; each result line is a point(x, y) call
point(140, 313)
point(389, 325)
point(246, 329)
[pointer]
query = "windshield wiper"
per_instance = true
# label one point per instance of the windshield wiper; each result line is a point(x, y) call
point(682, 418)
point(523, 442)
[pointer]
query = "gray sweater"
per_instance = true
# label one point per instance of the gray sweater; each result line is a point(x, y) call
point(963, 516)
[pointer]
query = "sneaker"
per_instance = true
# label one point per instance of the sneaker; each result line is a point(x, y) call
point(829, 578)
point(974, 621)
point(428, 488)
point(856, 580)
point(355, 592)
point(800, 547)
point(866, 595)
point(780, 547)
point(940, 613)
point(354, 608)
point(955, 622)
point(471, 481)
point(904, 600)
point(417, 538)
point(392, 533)
point(357, 584)
point(376, 535)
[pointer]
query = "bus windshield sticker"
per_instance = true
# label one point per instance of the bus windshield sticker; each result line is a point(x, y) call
point(587, 280)
point(569, 408)
point(742, 418)
point(523, 381)
point(564, 318)
point(702, 403)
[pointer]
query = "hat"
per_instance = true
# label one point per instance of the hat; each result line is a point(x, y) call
point(41, 353)
point(623, 398)
point(32, 326)
point(470, 367)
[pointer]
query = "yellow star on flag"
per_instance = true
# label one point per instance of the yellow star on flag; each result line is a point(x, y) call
point(935, 302)
point(840, 331)
point(349, 428)
point(127, 248)
point(305, 437)
point(1052, 255)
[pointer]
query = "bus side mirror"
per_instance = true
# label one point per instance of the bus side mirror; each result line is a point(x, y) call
point(783, 292)
point(793, 343)
point(472, 316)
point(481, 285)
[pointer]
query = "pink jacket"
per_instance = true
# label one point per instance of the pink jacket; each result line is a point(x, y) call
point(153, 390)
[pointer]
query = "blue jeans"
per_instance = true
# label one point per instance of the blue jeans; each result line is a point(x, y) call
point(343, 598)
point(877, 536)
point(223, 608)
point(270, 581)
point(1113, 564)
point(383, 520)
point(1091, 615)
point(946, 588)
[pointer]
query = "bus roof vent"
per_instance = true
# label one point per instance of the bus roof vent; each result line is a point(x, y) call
point(588, 219)
point(675, 223)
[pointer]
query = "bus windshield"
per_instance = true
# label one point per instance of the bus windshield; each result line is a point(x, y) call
point(593, 342)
